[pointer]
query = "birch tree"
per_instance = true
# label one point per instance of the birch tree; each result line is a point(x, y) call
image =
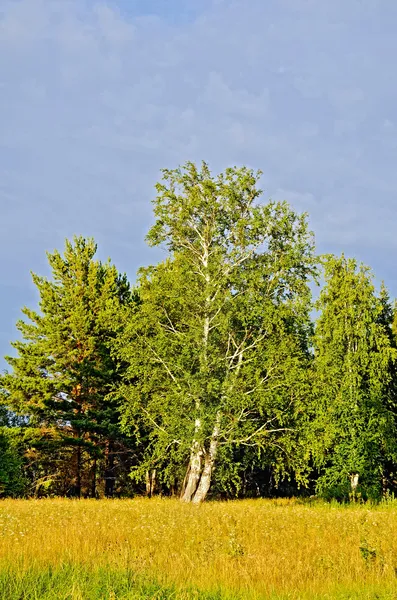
point(353, 432)
point(218, 345)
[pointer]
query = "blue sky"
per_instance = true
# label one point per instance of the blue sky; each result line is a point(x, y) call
point(96, 97)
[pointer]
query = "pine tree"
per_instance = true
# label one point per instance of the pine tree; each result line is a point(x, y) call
point(63, 373)
point(12, 479)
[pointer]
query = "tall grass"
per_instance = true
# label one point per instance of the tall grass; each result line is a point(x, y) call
point(159, 548)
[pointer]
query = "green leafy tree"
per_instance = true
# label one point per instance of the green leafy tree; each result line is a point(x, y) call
point(63, 372)
point(218, 345)
point(353, 429)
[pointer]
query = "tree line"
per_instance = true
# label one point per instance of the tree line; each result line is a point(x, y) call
point(216, 373)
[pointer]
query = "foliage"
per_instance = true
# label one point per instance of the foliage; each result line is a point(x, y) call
point(212, 375)
point(354, 430)
point(12, 477)
point(63, 372)
point(218, 347)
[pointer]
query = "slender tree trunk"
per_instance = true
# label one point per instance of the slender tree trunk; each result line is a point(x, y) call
point(78, 472)
point(209, 461)
point(174, 488)
point(109, 470)
point(93, 485)
point(353, 484)
point(384, 484)
point(150, 483)
point(194, 471)
point(77, 395)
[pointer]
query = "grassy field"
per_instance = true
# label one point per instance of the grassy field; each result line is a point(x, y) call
point(135, 549)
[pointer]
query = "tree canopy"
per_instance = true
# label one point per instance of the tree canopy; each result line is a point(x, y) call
point(354, 353)
point(218, 346)
point(63, 373)
point(216, 372)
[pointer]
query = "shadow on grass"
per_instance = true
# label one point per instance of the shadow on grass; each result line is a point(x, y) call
point(72, 582)
point(76, 583)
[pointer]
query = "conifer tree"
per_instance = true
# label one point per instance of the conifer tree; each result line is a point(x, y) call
point(63, 372)
point(12, 479)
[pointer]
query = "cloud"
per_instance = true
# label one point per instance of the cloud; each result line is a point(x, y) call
point(96, 97)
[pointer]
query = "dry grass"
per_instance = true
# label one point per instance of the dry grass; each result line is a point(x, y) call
point(255, 548)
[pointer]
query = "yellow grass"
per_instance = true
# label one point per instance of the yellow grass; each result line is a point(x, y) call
point(254, 547)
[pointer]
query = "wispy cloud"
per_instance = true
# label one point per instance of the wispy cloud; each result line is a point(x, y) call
point(96, 97)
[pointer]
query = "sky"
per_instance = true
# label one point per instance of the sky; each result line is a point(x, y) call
point(97, 97)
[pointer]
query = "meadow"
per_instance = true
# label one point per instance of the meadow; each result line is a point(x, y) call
point(162, 549)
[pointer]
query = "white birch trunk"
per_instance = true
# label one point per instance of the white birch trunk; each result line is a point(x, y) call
point(206, 475)
point(193, 477)
point(194, 471)
point(194, 468)
point(150, 482)
point(354, 477)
